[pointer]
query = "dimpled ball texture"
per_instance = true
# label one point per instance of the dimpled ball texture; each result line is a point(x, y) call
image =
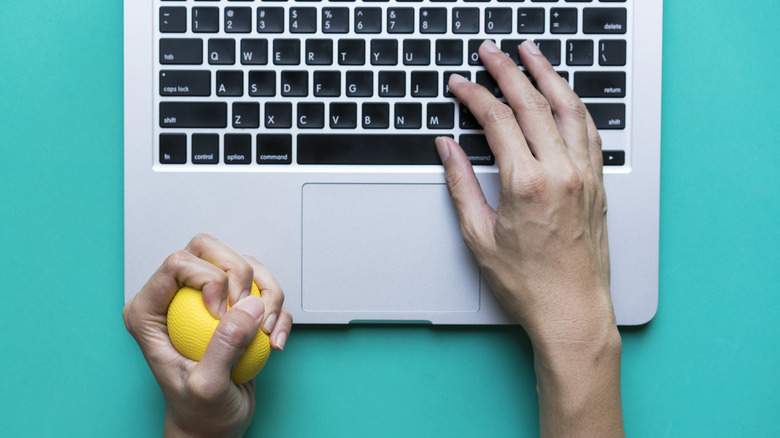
point(190, 327)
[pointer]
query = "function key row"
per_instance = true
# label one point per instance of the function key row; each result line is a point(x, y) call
point(400, 20)
point(292, 51)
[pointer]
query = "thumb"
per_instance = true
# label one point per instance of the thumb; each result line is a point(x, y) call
point(235, 331)
point(474, 213)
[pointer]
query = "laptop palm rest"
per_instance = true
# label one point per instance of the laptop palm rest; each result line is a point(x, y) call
point(394, 249)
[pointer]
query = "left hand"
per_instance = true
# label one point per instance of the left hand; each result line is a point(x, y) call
point(200, 398)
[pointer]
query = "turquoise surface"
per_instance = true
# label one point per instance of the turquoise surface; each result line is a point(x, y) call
point(705, 366)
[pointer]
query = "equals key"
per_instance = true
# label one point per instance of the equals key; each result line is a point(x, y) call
point(185, 83)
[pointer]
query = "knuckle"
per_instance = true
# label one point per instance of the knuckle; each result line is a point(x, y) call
point(176, 260)
point(571, 106)
point(498, 112)
point(202, 240)
point(594, 138)
point(203, 389)
point(572, 180)
point(535, 102)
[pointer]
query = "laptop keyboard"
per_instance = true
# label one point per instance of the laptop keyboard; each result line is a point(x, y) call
point(285, 83)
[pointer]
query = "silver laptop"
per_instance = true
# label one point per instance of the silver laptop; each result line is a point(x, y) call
point(301, 132)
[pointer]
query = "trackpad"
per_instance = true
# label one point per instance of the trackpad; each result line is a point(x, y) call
point(384, 248)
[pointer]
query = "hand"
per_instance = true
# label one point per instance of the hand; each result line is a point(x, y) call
point(200, 398)
point(544, 250)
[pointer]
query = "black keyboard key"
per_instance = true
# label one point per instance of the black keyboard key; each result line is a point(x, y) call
point(446, 81)
point(360, 83)
point(222, 51)
point(173, 148)
point(303, 20)
point(425, 84)
point(400, 20)
point(600, 84)
point(270, 20)
point(449, 52)
point(608, 115)
point(612, 52)
point(530, 20)
point(368, 20)
point(343, 115)
point(295, 83)
point(498, 20)
point(551, 49)
point(487, 81)
point(319, 52)
point(563, 20)
point(466, 118)
point(352, 52)
point(262, 83)
point(511, 48)
point(205, 148)
point(579, 52)
point(441, 115)
point(367, 149)
point(417, 52)
point(205, 19)
point(185, 83)
point(193, 115)
point(238, 148)
point(327, 83)
point(376, 115)
point(173, 19)
point(384, 52)
point(287, 51)
point(433, 20)
point(613, 158)
point(473, 52)
point(311, 115)
point(181, 51)
point(465, 20)
point(477, 149)
point(230, 83)
point(254, 51)
point(335, 20)
point(392, 83)
point(278, 115)
point(238, 20)
point(604, 20)
point(246, 115)
point(274, 148)
point(408, 115)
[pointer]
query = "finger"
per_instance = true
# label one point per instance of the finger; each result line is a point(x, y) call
point(504, 136)
point(239, 272)
point(182, 269)
point(474, 213)
point(531, 108)
point(281, 331)
point(594, 147)
point(235, 331)
point(270, 291)
point(567, 108)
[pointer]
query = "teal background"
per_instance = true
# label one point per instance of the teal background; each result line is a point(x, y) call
point(705, 366)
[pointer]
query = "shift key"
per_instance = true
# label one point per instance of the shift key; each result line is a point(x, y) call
point(193, 114)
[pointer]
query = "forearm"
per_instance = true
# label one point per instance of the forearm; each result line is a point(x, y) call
point(579, 387)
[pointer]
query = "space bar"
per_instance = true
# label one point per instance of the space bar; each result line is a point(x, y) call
point(367, 149)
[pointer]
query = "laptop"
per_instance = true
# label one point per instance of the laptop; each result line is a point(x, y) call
point(301, 132)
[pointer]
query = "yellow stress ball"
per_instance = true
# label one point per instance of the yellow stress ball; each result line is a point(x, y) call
point(190, 327)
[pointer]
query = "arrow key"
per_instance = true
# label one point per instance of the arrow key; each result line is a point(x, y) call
point(614, 158)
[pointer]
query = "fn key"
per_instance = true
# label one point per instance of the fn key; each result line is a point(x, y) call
point(173, 148)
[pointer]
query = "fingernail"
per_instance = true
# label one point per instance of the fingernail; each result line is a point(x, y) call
point(443, 148)
point(269, 323)
point(458, 79)
point(223, 308)
point(281, 338)
point(532, 47)
point(490, 46)
point(253, 305)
